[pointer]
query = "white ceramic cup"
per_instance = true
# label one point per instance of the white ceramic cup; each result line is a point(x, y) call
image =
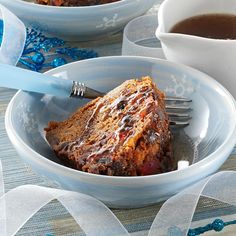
point(212, 56)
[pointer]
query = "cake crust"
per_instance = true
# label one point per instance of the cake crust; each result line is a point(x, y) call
point(124, 133)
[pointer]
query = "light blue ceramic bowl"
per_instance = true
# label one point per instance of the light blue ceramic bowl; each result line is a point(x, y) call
point(212, 129)
point(78, 23)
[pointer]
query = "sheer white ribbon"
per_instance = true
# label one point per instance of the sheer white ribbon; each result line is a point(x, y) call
point(14, 36)
point(178, 210)
point(18, 205)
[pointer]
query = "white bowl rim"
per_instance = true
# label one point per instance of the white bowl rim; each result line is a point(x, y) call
point(70, 9)
point(231, 138)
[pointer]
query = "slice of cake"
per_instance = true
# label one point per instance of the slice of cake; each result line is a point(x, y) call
point(73, 2)
point(124, 133)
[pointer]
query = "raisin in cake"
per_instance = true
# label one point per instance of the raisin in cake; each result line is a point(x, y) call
point(124, 133)
point(73, 2)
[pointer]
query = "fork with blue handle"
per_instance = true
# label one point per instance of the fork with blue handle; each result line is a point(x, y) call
point(17, 78)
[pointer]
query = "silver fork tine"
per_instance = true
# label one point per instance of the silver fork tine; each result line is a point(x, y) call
point(177, 99)
point(178, 124)
point(179, 108)
point(179, 115)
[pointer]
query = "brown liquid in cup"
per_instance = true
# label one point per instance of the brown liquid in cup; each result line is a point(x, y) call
point(216, 26)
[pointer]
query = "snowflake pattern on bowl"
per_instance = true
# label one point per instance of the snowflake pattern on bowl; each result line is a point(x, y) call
point(181, 87)
point(27, 119)
point(109, 22)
